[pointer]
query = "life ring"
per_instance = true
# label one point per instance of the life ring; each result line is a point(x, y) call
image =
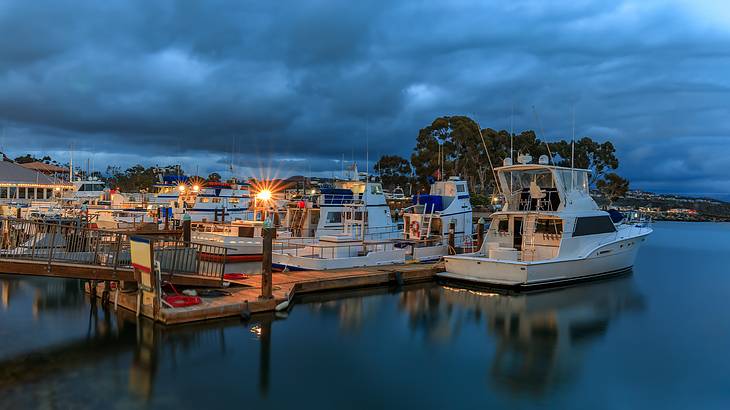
point(415, 229)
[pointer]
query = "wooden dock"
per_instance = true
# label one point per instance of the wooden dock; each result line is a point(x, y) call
point(244, 298)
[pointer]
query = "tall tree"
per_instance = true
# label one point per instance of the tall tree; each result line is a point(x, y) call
point(613, 187)
point(394, 171)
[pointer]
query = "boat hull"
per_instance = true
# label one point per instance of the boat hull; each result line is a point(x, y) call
point(610, 259)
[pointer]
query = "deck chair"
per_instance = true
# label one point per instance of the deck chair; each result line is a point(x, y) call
point(537, 193)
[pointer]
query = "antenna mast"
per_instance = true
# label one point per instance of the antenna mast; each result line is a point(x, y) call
point(494, 173)
point(542, 133)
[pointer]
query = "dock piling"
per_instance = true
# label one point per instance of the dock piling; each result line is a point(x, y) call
point(480, 233)
point(452, 239)
point(266, 280)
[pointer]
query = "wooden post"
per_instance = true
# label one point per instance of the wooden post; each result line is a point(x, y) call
point(480, 233)
point(167, 218)
point(266, 288)
point(215, 215)
point(452, 239)
point(186, 226)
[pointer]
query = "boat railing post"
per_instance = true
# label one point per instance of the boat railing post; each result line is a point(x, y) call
point(480, 233)
point(50, 250)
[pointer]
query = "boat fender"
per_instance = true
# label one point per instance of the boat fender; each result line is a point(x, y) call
point(282, 306)
point(246, 312)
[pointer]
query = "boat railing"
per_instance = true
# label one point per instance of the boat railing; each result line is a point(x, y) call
point(314, 248)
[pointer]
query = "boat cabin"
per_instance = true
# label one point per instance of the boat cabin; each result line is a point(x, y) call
point(543, 205)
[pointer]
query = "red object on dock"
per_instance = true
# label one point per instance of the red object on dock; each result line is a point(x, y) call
point(182, 300)
point(234, 276)
point(177, 300)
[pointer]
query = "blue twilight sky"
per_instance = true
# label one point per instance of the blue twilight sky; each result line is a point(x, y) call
point(295, 85)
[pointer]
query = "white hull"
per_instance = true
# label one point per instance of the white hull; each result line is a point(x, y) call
point(312, 261)
point(612, 258)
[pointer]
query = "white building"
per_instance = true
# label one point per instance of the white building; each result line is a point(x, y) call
point(20, 184)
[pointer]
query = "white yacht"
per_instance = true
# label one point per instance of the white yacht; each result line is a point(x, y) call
point(215, 202)
point(430, 215)
point(85, 190)
point(550, 231)
point(322, 212)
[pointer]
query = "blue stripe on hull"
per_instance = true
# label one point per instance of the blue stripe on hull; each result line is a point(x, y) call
point(280, 266)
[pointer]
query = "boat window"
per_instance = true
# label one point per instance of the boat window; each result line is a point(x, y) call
point(460, 188)
point(233, 200)
point(554, 226)
point(593, 225)
point(216, 200)
point(245, 231)
point(376, 189)
point(205, 200)
point(503, 225)
point(334, 217)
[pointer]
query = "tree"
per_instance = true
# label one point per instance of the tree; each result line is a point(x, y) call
point(133, 179)
point(394, 171)
point(214, 177)
point(613, 187)
point(600, 158)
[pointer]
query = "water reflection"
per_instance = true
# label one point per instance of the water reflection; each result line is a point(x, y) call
point(529, 342)
point(539, 337)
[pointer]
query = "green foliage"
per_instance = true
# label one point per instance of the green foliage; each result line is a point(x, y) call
point(138, 178)
point(27, 158)
point(394, 171)
point(464, 154)
point(214, 177)
point(613, 187)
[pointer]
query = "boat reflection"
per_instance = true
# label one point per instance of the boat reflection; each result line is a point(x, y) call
point(540, 337)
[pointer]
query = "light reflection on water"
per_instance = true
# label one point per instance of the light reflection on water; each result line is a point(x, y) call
point(625, 342)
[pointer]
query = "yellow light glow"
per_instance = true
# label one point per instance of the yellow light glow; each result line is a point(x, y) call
point(196, 188)
point(181, 188)
point(264, 195)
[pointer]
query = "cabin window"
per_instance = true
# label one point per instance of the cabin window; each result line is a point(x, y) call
point(593, 225)
point(233, 200)
point(334, 218)
point(245, 231)
point(553, 226)
point(376, 189)
point(216, 200)
point(503, 225)
point(460, 188)
point(204, 200)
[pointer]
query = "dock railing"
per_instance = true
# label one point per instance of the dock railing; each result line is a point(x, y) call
point(71, 242)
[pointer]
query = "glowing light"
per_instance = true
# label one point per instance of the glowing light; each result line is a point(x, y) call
point(264, 195)
point(181, 188)
point(196, 188)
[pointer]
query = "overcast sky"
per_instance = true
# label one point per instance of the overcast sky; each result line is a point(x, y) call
point(295, 85)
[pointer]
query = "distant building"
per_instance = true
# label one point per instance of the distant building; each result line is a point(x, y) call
point(21, 184)
point(48, 169)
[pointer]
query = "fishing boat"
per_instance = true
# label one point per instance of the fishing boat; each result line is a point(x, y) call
point(322, 212)
point(430, 216)
point(168, 189)
point(549, 232)
point(215, 201)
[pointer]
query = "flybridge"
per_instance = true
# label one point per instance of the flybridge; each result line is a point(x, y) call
point(537, 187)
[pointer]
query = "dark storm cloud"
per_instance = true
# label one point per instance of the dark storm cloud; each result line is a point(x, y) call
point(296, 85)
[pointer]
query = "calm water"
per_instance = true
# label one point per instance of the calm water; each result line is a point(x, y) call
point(659, 337)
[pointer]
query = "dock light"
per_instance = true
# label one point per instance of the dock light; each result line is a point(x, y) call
point(196, 188)
point(181, 188)
point(264, 195)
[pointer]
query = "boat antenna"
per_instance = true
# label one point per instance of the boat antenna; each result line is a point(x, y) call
point(512, 133)
point(494, 173)
point(572, 154)
point(542, 134)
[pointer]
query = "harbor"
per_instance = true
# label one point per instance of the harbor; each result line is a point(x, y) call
point(364, 205)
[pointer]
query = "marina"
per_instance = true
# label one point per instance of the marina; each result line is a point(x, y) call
point(356, 205)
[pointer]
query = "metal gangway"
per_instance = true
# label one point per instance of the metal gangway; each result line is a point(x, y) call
point(71, 249)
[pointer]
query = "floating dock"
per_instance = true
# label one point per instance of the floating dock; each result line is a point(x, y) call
point(245, 295)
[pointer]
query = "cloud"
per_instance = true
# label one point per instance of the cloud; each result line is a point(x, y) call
point(291, 83)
